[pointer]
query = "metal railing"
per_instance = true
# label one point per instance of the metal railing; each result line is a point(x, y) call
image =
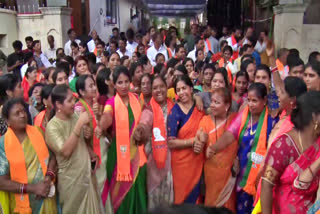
point(23, 7)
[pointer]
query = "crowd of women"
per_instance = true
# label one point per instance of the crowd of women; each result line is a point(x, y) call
point(125, 137)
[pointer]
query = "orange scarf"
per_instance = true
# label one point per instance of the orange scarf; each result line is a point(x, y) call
point(169, 53)
point(257, 153)
point(123, 136)
point(159, 142)
point(16, 159)
point(93, 124)
point(209, 45)
point(279, 65)
point(234, 42)
point(39, 119)
point(221, 65)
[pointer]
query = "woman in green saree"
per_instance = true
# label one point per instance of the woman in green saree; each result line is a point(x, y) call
point(126, 163)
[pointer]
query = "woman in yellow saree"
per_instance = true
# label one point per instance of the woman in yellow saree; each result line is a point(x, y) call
point(26, 169)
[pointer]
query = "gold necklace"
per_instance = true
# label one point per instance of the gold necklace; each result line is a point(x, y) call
point(251, 132)
point(300, 141)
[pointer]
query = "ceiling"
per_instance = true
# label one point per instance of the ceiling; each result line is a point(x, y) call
point(181, 8)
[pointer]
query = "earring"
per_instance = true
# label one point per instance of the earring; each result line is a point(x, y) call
point(292, 106)
point(59, 110)
point(316, 126)
point(45, 106)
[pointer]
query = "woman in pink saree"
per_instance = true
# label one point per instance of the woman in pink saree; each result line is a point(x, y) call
point(290, 182)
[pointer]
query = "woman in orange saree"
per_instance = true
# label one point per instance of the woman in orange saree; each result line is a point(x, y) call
point(182, 124)
point(219, 179)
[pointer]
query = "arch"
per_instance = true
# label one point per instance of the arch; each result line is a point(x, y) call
point(292, 38)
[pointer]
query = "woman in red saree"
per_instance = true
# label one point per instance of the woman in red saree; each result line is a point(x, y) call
point(183, 123)
point(218, 175)
point(288, 93)
point(28, 81)
point(291, 170)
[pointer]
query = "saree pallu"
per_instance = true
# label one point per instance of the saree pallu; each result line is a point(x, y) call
point(76, 183)
point(128, 197)
point(35, 175)
point(287, 199)
point(217, 170)
point(186, 165)
point(284, 125)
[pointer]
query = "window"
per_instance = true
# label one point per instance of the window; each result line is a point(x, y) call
point(111, 11)
point(3, 41)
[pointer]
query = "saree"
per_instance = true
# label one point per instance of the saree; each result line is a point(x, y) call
point(126, 196)
point(217, 170)
point(77, 185)
point(284, 125)
point(99, 145)
point(34, 175)
point(284, 163)
point(159, 180)
point(244, 199)
point(186, 166)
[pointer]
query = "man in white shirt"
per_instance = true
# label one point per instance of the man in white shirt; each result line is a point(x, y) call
point(122, 51)
point(72, 37)
point(156, 48)
point(50, 53)
point(234, 39)
point(28, 57)
point(248, 33)
point(91, 45)
point(262, 42)
point(131, 44)
point(199, 44)
point(100, 48)
point(151, 31)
